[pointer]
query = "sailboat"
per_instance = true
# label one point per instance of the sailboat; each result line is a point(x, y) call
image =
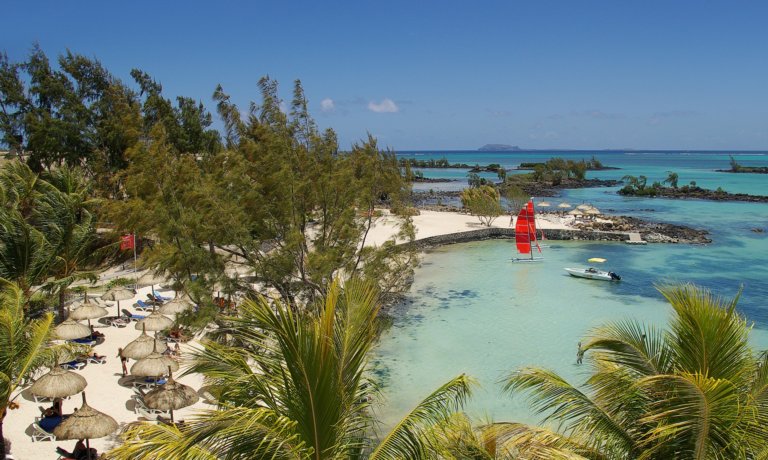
point(525, 233)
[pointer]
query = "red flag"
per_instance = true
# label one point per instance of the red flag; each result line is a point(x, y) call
point(126, 242)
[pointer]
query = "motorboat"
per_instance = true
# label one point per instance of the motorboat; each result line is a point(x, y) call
point(593, 274)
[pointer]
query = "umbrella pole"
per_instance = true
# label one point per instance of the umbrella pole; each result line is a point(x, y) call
point(118, 309)
point(172, 422)
point(88, 448)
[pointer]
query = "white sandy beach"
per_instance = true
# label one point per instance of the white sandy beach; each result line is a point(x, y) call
point(106, 395)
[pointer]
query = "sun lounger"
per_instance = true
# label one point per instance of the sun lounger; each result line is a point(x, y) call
point(118, 322)
point(95, 360)
point(73, 365)
point(161, 298)
point(84, 341)
point(139, 404)
point(133, 317)
point(39, 434)
point(141, 305)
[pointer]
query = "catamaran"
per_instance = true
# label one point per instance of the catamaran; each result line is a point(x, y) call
point(525, 233)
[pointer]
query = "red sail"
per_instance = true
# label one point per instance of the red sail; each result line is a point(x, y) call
point(525, 229)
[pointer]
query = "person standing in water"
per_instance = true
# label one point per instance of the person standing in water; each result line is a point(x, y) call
point(579, 354)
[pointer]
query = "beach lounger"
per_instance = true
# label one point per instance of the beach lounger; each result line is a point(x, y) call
point(84, 341)
point(161, 298)
point(73, 365)
point(101, 360)
point(139, 404)
point(43, 399)
point(133, 317)
point(118, 322)
point(146, 415)
point(143, 306)
point(39, 434)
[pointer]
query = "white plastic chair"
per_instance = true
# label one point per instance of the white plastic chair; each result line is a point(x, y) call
point(39, 434)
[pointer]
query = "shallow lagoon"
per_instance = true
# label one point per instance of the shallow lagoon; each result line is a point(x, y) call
point(472, 310)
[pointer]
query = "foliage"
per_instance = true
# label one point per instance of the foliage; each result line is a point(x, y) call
point(23, 344)
point(293, 385)
point(282, 201)
point(483, 202)
point(696, 390)
point(474, 180)
point(48, 233)
point(735, 166)
point(672, 179)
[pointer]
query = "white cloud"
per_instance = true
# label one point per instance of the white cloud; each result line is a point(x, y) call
point(327, 105)
point(386, 106)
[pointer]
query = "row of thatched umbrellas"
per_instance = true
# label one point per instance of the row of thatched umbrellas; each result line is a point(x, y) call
point(88, 423)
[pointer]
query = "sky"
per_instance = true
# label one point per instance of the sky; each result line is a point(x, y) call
point(439, 75)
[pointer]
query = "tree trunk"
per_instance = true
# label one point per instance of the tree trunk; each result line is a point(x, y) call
point(3, 453)
point(62, 299)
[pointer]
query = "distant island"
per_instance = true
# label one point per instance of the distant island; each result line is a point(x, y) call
point(499, 148)
point(737, 168)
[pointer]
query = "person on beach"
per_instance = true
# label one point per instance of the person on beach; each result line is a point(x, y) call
point(579, 355)
point(123, 361)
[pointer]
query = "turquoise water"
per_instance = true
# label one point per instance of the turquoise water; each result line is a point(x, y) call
point(472, 310)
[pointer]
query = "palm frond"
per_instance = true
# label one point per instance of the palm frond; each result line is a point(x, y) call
point(407, 439)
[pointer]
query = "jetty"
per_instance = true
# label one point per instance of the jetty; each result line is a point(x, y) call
point(635, 238)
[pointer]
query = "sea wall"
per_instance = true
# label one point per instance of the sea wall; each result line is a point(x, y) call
point(500, 233)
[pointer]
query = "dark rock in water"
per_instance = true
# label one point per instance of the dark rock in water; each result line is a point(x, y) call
point(758, 230)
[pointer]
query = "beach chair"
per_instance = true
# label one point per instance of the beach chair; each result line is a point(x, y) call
point(84, 341)
point(143, 306)
point(161, 298)
point(39, 434)
point(41, 399)
point(140, 405)
point(73, 365)
point(208, 398)
point(94, 360)
point(118, 322)
point(130, 316)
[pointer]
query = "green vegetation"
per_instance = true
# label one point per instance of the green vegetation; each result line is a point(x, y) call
point(293, 385)
point(23, 346)
point(737, 168)
point(693, 391)
point(47, 238)
point(483, 202)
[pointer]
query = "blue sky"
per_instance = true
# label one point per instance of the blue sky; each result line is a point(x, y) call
point(449, 74)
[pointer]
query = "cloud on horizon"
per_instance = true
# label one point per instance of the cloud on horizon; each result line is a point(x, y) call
point(327, 105)
point(386, 106)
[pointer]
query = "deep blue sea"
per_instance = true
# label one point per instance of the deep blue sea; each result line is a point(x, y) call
point(471, 310)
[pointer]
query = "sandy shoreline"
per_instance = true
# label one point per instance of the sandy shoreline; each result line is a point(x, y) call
point(106, 395)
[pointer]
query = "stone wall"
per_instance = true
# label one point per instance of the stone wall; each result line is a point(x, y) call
point(501, 233)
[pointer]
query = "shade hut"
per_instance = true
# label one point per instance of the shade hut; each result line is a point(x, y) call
point(70, 329)
point(172, 395)
point(58, 383)
point(87, 310)
point(150, 278)
point(154, 365)
point(564, 205)
point(116, 294)
point(176, 306)
point(86, 423)
point(154, 322)
point(143, 346)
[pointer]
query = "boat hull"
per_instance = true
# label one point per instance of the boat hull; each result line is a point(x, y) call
point(592, 274)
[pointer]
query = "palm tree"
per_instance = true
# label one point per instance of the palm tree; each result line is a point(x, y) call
point(696, 390)
point(23, 345)
point(672, 179)
point(293, 385)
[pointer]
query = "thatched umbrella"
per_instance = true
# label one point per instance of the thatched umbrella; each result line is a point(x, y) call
point(154, 322)
point(58, 383)
point(564, 205)
point(150, 278)
point(153, 365)
point(87, 310)
point(177, 305)
point(70, 329)
point(544, 204)
point(584, 207)
point(172, 395)
point(592, 211)
point(143, 346)
point(116, 294)
point(86, 423)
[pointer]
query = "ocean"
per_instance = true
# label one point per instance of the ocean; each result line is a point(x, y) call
point(472, 310)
